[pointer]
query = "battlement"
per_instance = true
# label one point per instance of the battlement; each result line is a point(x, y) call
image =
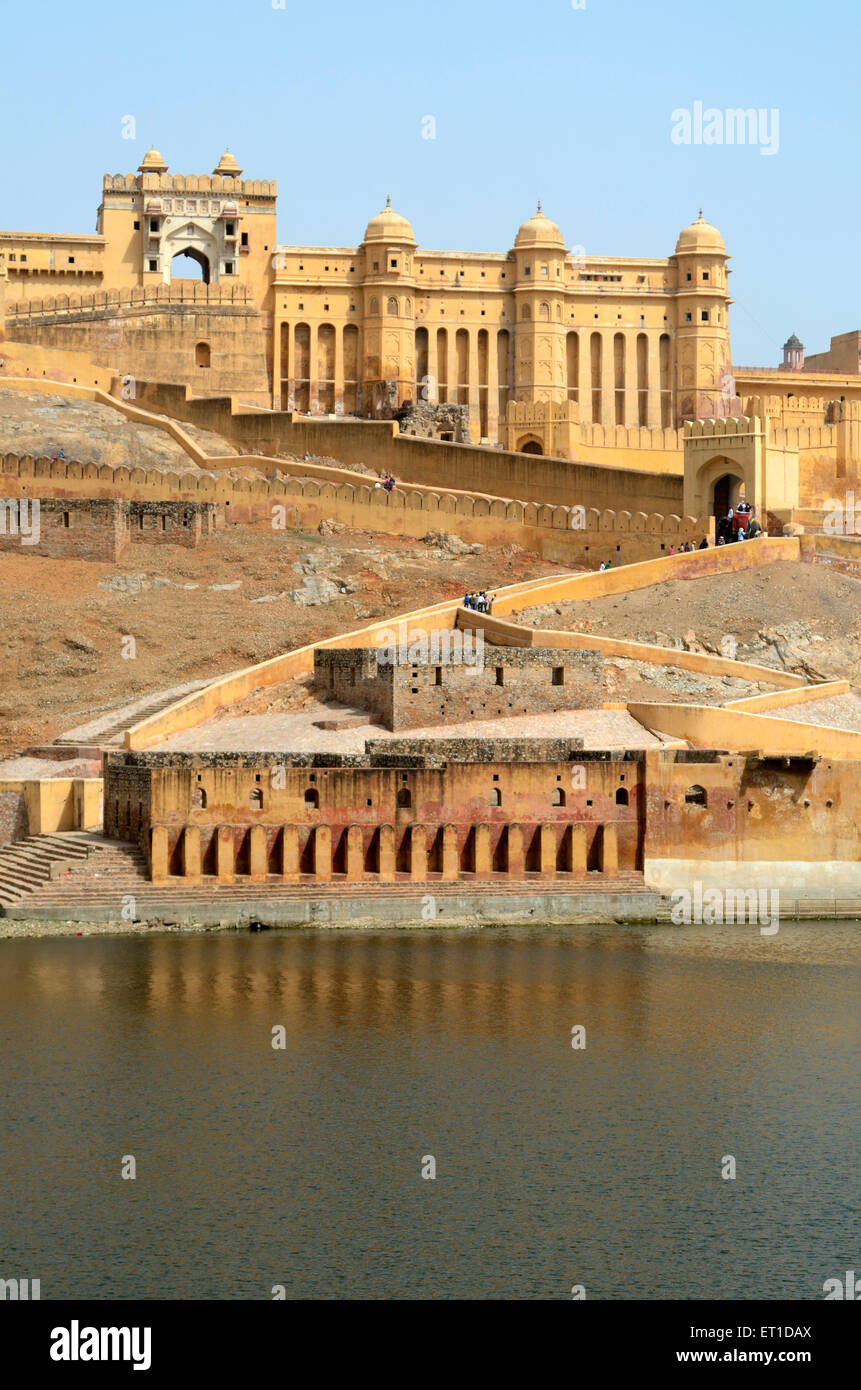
point(213, 185)
point(403, 511)
point(735, 426)
point(102, 302)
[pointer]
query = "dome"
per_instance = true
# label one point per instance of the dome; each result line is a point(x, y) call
point(227, 165)
point(388, 225)
point(152, 163)
point(793, 342)
point(700, 236)
point(539, 231)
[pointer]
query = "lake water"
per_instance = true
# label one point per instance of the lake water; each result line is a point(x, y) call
point(599, 1166)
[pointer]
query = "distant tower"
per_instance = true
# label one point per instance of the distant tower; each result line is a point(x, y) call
point(702, 324)
point(540, 368)
point(793, 355)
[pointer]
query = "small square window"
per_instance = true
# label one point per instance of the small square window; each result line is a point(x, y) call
point(689, 276)
point(23, 258)
point(527, 270)
point(153, 265)
point(688, 318)
point(71, 260)
point(705, 275)
point(137, 226)
point(705, 316)
point(393, 265)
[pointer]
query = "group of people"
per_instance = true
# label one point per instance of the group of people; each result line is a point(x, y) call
point(480, 603)
point(689, 546)
point(387, 482)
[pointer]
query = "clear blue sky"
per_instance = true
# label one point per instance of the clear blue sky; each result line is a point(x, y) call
point(530, 100)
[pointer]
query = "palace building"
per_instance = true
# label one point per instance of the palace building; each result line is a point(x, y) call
point(365, 330)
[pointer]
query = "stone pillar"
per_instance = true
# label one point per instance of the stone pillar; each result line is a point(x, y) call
point(578, 851)
point(481, 841)
point(450, 864)
point(418, 853)
point(632, 400)
point(339, 371)
point(276, 363)
point(515, 860)
point(433, 367)
point(493, 388)
point(290, 402)
point(313, 367)
point(290, 854)
point(387, 854)
point(191, 853)
point(354, 857)
point(547, 853)
point(584, 376)
point(609, 850)
point(257, 857)
point(158, 854)
point(608, 379)
point(225, 855)
point(472, 384)
point(653, 369)
point(322, 853)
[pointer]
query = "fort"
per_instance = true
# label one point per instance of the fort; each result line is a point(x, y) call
point(582, 409)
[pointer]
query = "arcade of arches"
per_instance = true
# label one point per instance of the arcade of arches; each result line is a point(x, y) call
point(622, 378)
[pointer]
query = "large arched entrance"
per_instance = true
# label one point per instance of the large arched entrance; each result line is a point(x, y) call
point(728, 489)
point(190, 264)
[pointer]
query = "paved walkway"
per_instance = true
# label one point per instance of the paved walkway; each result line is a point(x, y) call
point(294, 731)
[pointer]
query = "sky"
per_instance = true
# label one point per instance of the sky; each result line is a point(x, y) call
point(467, 112)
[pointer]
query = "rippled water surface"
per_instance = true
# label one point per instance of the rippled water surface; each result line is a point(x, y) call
point(554, 1166)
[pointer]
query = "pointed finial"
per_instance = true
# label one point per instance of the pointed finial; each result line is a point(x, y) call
point(701, 215)
point(539, 207)
point(388, 200)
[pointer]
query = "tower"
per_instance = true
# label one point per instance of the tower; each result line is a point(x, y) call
point(704, 385)
point(388, 291)
point(539, 346)
point(793, 355)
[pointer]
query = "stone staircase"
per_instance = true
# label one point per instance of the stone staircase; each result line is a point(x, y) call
point(80, 876)
point(28, 865)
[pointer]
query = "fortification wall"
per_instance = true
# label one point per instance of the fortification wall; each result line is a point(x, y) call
point(711, 726)
point(558, 533)
point(203, 703)
point(213, 340)
point(498, 632)
point(377, 444)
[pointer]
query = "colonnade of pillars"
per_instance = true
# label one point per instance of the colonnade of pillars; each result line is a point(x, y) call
point(616, 376)
point(455, 856)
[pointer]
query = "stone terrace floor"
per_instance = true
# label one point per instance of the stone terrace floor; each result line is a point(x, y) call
point(295, 732)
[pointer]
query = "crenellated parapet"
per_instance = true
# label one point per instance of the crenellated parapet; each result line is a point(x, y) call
point(101, 302)
point(210, 185)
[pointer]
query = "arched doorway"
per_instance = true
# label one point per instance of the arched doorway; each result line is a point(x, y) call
point(530, 445)
point(726, 492)
point(190, 264)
